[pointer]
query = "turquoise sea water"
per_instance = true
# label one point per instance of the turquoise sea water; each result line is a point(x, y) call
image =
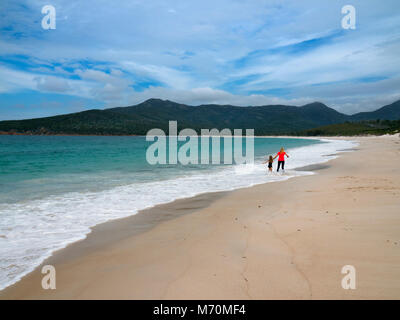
point(32, 167)
point(54, 188)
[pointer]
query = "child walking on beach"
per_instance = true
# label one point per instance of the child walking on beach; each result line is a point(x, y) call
point(270, 161)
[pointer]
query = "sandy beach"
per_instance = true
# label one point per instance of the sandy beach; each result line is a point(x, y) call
point(281, 240)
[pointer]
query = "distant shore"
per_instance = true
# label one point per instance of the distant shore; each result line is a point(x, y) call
point(139, 135)
point(282, 240)
point(2, 133)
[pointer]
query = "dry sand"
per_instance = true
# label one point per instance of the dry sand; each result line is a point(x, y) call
point(283, 240)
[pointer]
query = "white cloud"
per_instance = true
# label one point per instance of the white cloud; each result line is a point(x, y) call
point(165, 75)
point(197, 96)
point(11, 80)
point(52, 84)
point(112, 88)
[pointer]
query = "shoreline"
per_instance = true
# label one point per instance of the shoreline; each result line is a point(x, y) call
point(3, 133)
point(103, 234)
point(97, 241)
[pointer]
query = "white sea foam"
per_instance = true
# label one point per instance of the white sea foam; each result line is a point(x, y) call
point(30, 231)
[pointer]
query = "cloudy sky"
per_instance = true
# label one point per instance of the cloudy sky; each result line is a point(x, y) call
point(117, 53)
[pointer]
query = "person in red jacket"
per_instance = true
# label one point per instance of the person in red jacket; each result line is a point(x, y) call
point(281, 160)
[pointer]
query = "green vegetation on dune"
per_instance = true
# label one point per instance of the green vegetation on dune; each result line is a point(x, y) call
point(371, 127)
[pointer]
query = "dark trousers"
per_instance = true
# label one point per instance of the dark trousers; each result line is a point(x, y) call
point(281, 163)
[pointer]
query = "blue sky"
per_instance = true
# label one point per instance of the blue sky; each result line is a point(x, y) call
point(118, 53)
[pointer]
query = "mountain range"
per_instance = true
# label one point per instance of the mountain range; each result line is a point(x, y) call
point(155, 113)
